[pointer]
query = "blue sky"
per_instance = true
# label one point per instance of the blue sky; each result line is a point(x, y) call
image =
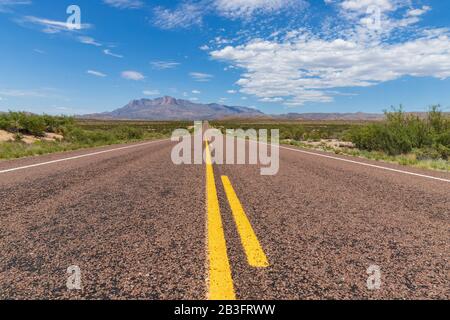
point(275, 55)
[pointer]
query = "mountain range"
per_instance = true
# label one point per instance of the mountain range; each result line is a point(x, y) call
point(169, 108)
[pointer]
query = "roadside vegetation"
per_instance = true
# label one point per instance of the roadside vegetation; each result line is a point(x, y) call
point(408, 139)
point(23, 134)
point(403, 138)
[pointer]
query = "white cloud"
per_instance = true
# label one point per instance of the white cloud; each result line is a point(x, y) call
point(20, 93)
point(196, 92)
point(51, 26)
point(231, 91)
point(96, 73)
point(363, 5)
point(306, 68)
point(201, 77)
point(125, 4)
point(418, 12)
point(246, 8)
point(162, 65)
point(89, 40)
point(184, 16)
point(109, 53)
point(294, 66)
point(151, 92)
point(133, 75)
point(191, 12)
point(6, 5)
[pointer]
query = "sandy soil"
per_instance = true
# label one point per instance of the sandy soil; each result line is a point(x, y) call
point(6, 136)
point(30, 139)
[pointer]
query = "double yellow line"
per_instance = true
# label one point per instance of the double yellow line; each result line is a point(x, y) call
point(220, 279)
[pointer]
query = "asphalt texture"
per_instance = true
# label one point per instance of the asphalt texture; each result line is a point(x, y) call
point(135, 225)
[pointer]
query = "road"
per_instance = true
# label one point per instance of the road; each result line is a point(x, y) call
point(140, 227)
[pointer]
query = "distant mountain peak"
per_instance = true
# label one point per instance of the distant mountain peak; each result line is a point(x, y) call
point(170, 108)
point(167, 100)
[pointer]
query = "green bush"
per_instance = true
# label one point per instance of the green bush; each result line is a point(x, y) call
point(128, 133)
point(26, 123)
point(292, 132)
point(32, 124)
point(4, 123)
point(400, 133)
point(57, 124)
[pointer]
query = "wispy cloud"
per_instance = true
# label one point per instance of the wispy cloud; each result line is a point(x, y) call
point(125, 4)
point(247, 8)
point(22, 93)
point(110, 53)
point(96, 73)
point(89, 40)
point(132, 75)
point(151, 92)
point(184, 16)
point(51, 26)
point(7, 5)
point(162, 65)
point(196, 92)
point(418, 11)
point(201, 77)
point(192, 12)
point(31, 93)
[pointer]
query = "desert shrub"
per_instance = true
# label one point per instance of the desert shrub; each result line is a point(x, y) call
point(443, 139)
point(437, 122)
point(428, 154)
point(32, 124)
point(379, 137)
point(292, 132)
point(26, 123)
point(97, 137)
point(313, 135)
point(12, 121)
point(57, 124)
point(444, 151)
point(400, 133)
point(87, 137)
point(128, 133)
point(4, 121)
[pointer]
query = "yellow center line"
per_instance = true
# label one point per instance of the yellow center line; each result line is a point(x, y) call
point(220, 279)
point(255, 254)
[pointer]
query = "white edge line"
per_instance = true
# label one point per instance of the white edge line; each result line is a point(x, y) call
point(367, 164)
point(360, 163)
point(81, 156)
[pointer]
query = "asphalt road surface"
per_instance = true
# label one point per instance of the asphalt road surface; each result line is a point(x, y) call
point(139, 227)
